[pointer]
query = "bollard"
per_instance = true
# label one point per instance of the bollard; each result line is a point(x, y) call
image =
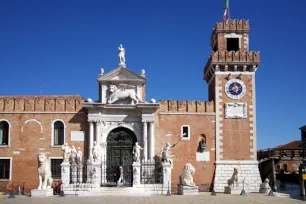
point(243, 193)
point(12, 195)
point(271, 193)
point(168, 191)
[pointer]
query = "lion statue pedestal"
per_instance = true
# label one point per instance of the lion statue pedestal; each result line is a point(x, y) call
point(44, 176)
point(187, 186)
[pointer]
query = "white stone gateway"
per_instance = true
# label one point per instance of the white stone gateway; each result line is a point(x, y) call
point(187, 186)
point(44, 176)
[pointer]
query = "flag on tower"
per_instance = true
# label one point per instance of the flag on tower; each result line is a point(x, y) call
point(226, 9)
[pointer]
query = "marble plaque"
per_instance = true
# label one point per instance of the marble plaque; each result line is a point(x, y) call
point(204, 156)
point(77, 135)
point(235, 110)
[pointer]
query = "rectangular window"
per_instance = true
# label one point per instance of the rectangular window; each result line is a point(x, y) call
point(5, 168)
point(185, 132)
point(233, 44)
point(56, 168)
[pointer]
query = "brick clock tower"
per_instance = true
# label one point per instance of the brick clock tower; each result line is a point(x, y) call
point(230, 74)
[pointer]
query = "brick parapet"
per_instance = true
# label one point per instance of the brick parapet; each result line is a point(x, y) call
point(232, 25)
point(73, 103)
point(185, 106)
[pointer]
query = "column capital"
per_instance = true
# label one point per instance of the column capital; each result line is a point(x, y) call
point(148, 121)
point(94, 121)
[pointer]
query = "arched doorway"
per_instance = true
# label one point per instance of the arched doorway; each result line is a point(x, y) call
point(120, 142)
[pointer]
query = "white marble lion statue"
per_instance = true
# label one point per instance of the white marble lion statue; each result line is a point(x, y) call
point(44, 172)
point(186, 178)
point(122, 93)
point(233, 180)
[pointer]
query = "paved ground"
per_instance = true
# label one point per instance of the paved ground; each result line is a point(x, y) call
point(156, 199)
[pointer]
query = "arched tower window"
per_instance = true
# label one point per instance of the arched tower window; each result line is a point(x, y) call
point(4, 133)
point(59, 133)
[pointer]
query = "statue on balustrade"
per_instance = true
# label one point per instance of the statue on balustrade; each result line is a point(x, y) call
point(67, 153)
point(73, 155)
point(136, 152)
point(79, 156)
point(96, 153)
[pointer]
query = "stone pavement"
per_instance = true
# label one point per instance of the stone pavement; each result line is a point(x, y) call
point(156, 199)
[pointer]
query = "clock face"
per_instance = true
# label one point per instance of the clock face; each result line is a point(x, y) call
point(235, 89)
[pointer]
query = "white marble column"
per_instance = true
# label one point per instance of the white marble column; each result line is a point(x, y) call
point(145, 141)
point(98, 132)
point(152, 141)
point(91, 137)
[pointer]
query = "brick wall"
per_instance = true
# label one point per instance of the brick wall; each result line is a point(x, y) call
point(168, 129)
point(31, 133)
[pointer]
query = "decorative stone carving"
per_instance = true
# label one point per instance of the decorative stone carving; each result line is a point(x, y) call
point(143, 73)
point(186, 178)
point(44, 172)
point(136, 152)
point(79, 155)
point(235, 110)
point(101, 71)
point(96, 153)
point(122, 93)
point(121, 56)
point(265, 187)
point(67, 153)
point(233, 181)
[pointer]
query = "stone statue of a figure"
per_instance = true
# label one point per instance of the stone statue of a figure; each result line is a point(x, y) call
point(165, 152)
point(136, 152)
point(95, 153)
point(121, 55)
point(79, 156)
point(67, 152)
point(73, 154)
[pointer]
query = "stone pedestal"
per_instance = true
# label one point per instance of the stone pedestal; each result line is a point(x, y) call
point(97, 177)
point(74, 173)
point(136, 174)
point(234, 191)
point(247, 171)
point(80, 173)
point(42, 193)
point(264, 190)
point(167, 174)
point(188, 190)
point(65, 173)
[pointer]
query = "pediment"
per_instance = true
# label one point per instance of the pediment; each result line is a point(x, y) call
point(123, 75)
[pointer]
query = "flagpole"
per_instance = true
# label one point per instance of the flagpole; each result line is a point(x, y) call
point(229, 14)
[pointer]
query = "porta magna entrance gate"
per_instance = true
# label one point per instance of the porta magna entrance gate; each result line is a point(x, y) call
point(119, 159)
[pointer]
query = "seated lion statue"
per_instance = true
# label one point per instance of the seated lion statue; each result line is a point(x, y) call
point(44, 172)
point(233, 180)
point(186, 178)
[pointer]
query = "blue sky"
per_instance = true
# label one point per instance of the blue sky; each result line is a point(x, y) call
point(67, 42)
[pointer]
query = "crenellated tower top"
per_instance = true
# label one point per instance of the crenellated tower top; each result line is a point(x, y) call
point(230, 49)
